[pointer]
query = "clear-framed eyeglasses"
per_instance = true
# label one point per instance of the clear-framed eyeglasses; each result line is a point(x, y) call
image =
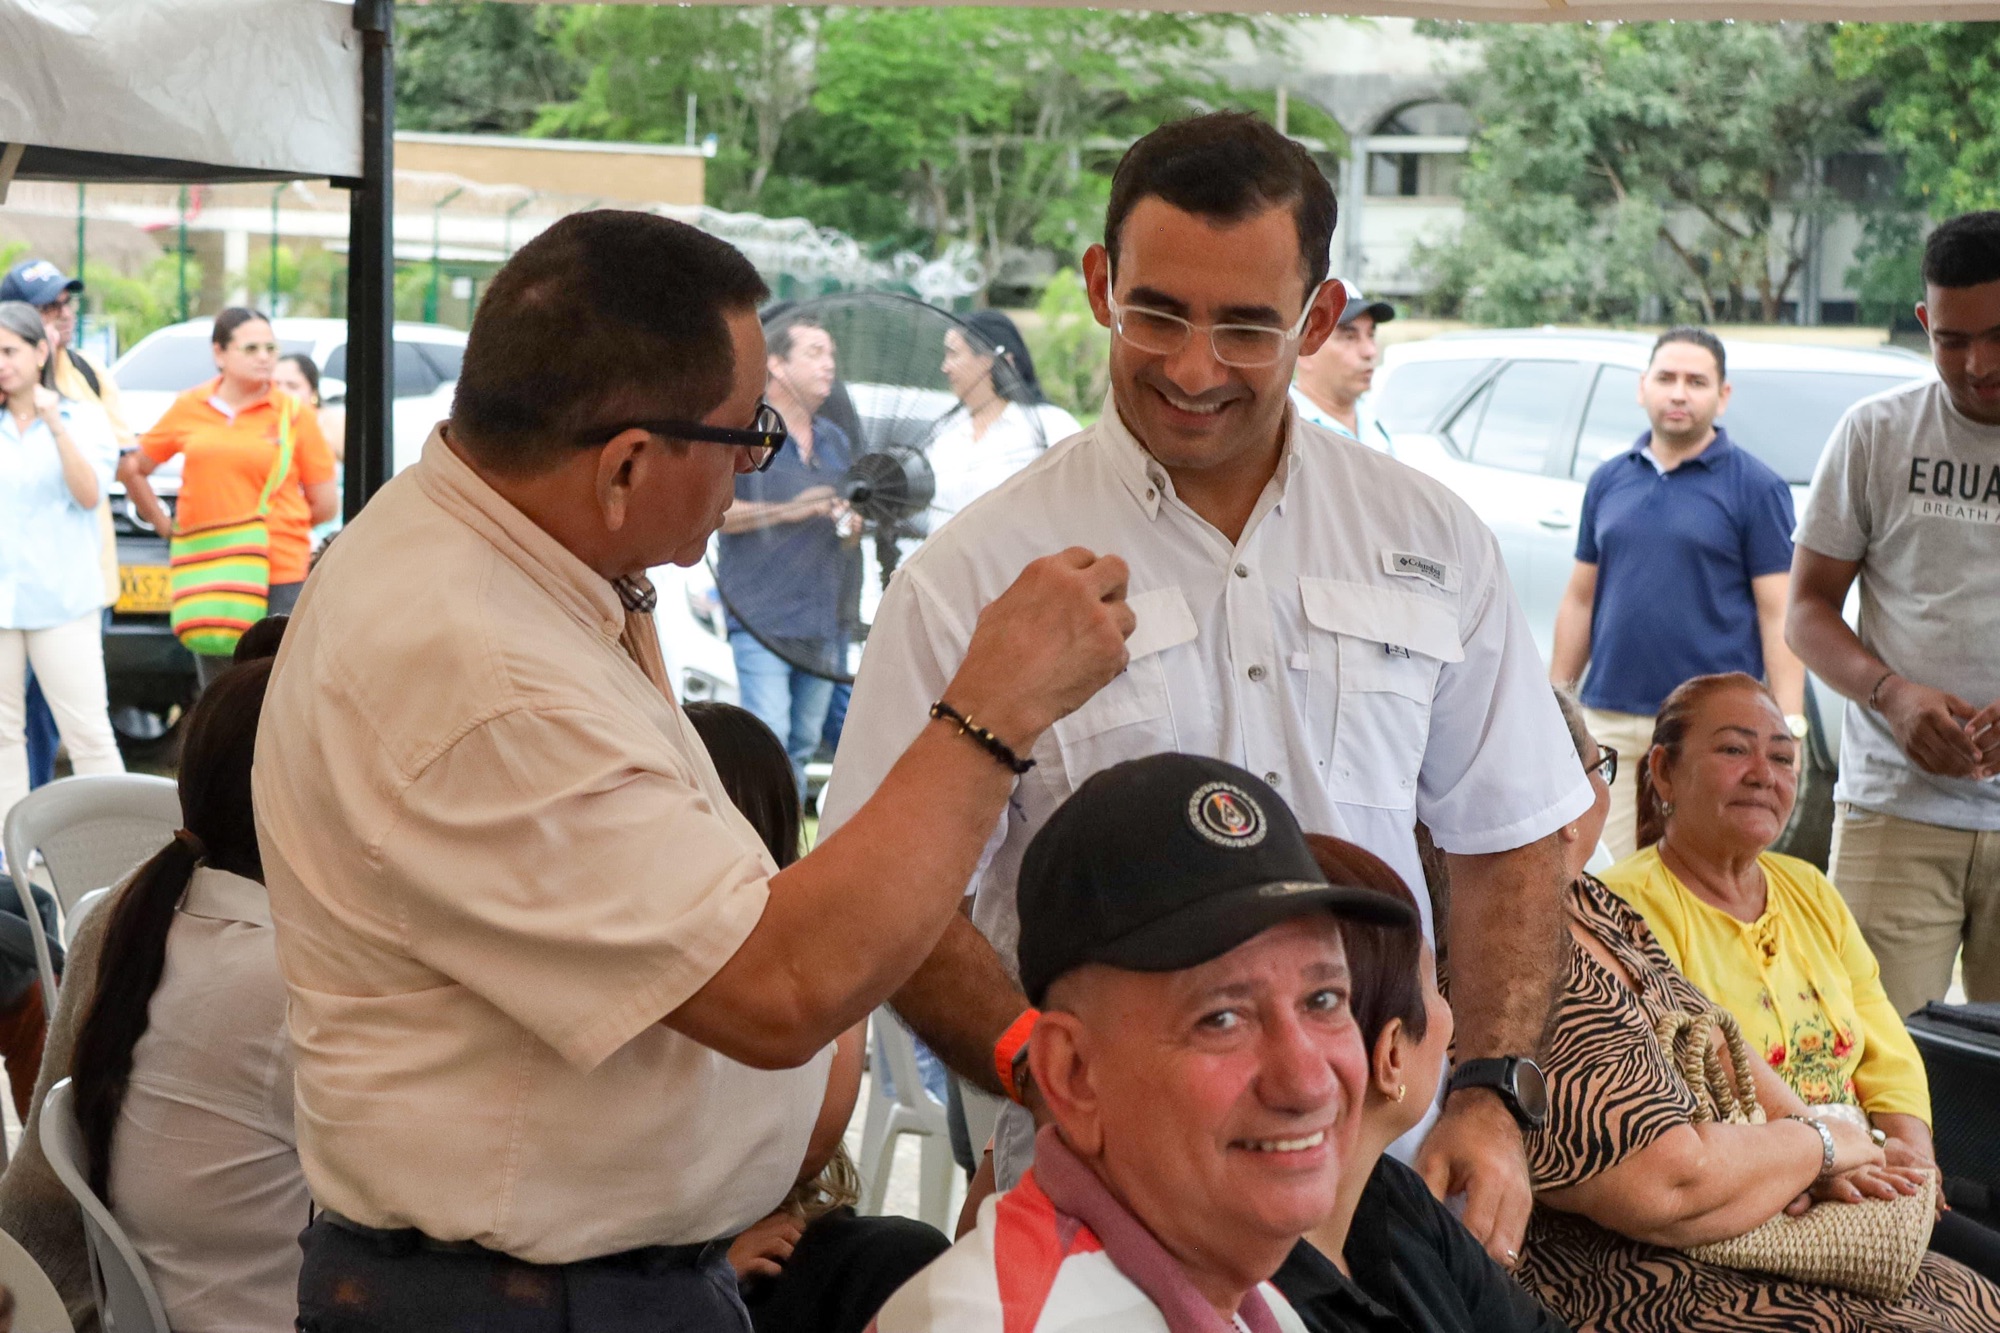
point(1244, 346)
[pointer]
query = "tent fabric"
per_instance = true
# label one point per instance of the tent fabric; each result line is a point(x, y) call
point(1516, 11)
point(181, 89)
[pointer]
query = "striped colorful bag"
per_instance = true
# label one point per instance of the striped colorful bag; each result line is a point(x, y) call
point(221, 573)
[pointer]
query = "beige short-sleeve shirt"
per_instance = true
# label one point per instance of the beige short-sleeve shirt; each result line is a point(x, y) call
point(497, 857)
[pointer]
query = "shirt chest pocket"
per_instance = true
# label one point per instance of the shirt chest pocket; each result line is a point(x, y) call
point(1374, 655)
point(1133, 715)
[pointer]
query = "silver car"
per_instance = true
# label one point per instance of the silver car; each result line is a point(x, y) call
point(1515, 421)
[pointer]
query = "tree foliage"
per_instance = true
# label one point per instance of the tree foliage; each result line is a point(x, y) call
point(1618, 161)
point(907, 128)
point(1940, 105)
point(478, 68)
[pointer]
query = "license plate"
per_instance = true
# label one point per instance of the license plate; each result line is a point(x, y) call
point(144, 590)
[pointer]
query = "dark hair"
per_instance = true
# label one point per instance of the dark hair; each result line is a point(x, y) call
point(1670, 729)
point(308, 368)
point(231, 320)
point(1381, 960)
point(607, 315)
point(1014, 376)
point(219, 831)
point(1226, 166)
point(1964, 251)
point(25, 322)
point(755, 771)
point(778, 333)
point(1700, 337)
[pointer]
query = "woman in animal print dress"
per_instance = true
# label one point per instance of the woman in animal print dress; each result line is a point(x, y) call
point(1624, 1178)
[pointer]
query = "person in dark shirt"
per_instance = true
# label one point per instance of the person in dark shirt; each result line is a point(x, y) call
point(1391, 1258)
point(785, 551)
point(813, 1265)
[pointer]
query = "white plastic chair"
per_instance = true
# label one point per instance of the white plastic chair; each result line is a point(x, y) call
point(91, 831)
point(38, 1306)
point(126, 1299)
point(912, 1110)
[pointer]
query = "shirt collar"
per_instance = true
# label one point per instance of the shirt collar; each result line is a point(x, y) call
point(1314, 1277)
point(208, 394)
point(576, 587)
point(1075, 1189)
point(222, 896)
point(1718, 449)
point(1151, 486)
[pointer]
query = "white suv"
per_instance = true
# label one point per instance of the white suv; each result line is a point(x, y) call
point(1515, 421)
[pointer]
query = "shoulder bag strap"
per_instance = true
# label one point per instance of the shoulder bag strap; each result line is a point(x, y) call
point(284, 462)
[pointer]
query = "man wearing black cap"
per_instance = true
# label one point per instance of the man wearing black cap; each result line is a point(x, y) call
point(1196, 1049)
point(1329, 383)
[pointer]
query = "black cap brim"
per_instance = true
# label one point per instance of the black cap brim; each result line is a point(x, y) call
point(1381, 310)
point(1206, 930)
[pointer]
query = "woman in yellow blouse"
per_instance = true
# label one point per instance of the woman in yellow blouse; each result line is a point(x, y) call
point(1766, 936)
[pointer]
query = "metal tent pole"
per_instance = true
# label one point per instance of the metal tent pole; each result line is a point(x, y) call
point(371, 264)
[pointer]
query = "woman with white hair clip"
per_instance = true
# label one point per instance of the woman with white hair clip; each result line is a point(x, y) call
point(56, 460)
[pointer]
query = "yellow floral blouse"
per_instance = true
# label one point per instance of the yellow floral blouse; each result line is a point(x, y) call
point(1800, 980)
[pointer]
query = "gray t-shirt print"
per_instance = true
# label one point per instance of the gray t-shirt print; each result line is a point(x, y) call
point(1910, 488)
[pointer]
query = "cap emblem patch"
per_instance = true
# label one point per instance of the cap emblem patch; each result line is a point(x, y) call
point(1225, 815)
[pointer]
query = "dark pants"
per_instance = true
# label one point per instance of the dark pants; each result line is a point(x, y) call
point(844, 1269)
point(284, 596)
point(1976, 1246)
point(357, 1281)
point(42, 736)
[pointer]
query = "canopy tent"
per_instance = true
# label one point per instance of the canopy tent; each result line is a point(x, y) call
point(213, 90)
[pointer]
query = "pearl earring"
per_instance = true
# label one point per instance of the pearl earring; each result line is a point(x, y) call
point(1666, 809)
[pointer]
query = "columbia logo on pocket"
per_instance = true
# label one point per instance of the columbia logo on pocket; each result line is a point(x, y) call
point(1395, 650)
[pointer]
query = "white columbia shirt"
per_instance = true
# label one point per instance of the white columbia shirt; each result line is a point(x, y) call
point(1360, 648)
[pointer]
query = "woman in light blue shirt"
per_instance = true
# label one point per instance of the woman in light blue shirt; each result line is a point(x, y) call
point(56, 459)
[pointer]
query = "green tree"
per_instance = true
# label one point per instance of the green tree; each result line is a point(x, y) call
point(1939, 108)
point(906, 127)
point(1617, 161)
point(1072, 350)
point(478, 68)
point(749, 71)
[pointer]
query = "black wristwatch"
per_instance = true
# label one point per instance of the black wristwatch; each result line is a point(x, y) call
point(1516, 1078)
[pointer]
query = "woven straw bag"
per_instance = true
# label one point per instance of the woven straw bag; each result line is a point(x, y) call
point(1873, 1247)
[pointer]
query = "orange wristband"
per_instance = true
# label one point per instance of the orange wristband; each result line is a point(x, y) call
point(1008, 1049)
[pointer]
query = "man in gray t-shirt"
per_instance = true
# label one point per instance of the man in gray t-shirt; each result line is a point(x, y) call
point(1907, 498)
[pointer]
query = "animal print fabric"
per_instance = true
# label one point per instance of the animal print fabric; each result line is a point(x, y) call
point(1612, 1093)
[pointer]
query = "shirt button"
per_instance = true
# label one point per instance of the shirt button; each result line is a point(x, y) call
point(1271, 779)
point(1243, 571)
point(1256, 672)
point(1152, 494)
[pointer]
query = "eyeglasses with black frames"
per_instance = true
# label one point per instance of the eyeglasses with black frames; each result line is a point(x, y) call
point(1607, 766)
point(764, 438)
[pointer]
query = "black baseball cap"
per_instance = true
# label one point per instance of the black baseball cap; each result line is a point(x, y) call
point(1359, 305)
point(1166, 862)
point(38, 282)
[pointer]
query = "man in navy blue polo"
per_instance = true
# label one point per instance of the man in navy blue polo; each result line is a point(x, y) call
point(783, 552)
point(1683, 560)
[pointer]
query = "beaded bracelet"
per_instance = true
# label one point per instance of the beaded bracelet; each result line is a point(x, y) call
point(992, 744)
point(1874, 695)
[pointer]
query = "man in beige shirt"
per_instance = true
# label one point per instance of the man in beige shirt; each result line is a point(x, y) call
point(559, 1024)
